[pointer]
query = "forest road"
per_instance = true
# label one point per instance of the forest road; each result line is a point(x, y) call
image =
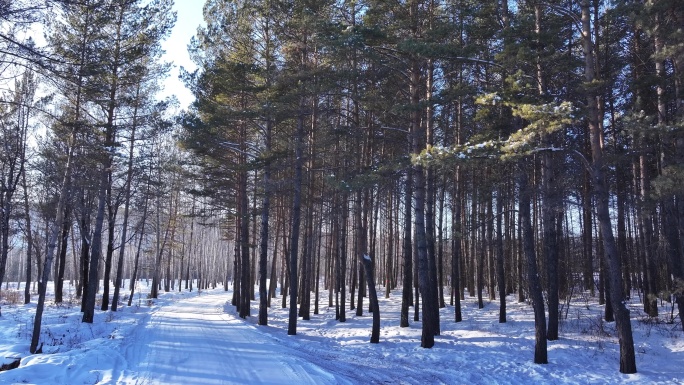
point(193, 341)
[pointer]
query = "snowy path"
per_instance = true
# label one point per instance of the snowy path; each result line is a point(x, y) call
point(193, 342)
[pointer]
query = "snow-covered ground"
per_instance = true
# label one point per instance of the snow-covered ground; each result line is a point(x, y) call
point(197, 338)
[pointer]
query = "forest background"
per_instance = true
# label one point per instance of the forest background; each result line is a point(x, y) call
point(481, 148)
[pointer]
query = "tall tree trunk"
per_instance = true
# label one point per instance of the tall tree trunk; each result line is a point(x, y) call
point(480, 254)
point(389, 262)
point(109, 255)
point(127, 201)
point(29, 241)
point(670, 156)
point(551, 200)
point(430, 182)
point(244, 309)
point(84, 230)
point(308, 253)
point(622, 317)
point(549, 217)
point(440, 244)
point(673, 250)
point(318, 252)
point(587, 239)
point(61, 264)
point(456, 250)
point(263, 246)
point(134, 275)
point(160, 247)
point(13, 160)
point(342, 270)
point(52, 244)
point(645, 213)
point(109, 153)
point(407, 289)
point(491, 270)
point(424, 282)
point(500, 274)
point(105, 183)
point(360, 249)
point(534, 284)
point(296, 218)
point(96, 249)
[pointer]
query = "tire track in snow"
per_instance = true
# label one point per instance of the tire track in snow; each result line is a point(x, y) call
point(192, 342)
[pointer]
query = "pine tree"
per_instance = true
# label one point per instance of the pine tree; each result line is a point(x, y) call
point(15, 121)
point(136, 30)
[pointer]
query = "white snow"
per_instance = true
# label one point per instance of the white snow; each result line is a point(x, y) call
point(197, 338)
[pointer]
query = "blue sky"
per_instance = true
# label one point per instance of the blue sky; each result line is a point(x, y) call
point(189, 18)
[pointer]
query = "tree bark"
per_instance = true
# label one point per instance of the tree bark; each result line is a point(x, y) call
point(551, 246)
point(534, 284)
point(244, 310)
point(622, 317)
point(263, 246)
point(424, 282)
point(84, 230)
point(134, 274)
point(500, 273)
point(456, 250)
point(52, 244)
point(296, 218)
point(29, 241)
point(96, 249)
point(61, 264)
point(407, 288)
point(127, 202)
point(375, 308)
